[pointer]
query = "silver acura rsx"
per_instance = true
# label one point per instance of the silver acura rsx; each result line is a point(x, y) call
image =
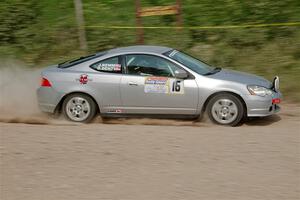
point(154, 81)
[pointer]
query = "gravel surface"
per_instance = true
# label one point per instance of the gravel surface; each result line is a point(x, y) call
point(141, 159)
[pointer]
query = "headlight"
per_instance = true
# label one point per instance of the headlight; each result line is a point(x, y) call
point(259, 90)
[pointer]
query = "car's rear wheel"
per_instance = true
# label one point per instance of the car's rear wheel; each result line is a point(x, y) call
point(225, 109)
point(79, 108)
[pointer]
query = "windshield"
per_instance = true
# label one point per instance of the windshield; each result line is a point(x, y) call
point(190, 62)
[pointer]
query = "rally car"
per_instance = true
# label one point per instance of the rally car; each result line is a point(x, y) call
point(154, 81)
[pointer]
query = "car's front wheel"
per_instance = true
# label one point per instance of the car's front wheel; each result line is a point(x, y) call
point(225, 109)
point(79, 108)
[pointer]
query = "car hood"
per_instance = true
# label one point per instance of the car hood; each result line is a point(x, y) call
point(241, 77)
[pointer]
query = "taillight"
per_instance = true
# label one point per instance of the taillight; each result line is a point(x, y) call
point(45, 83)
point(276, 101)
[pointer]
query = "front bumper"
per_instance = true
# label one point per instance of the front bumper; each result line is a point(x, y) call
point(262, 106)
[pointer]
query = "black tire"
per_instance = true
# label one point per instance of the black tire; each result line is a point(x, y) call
point(93, 107)
point(226, 96)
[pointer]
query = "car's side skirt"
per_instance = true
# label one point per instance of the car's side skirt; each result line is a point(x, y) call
point(152, 116)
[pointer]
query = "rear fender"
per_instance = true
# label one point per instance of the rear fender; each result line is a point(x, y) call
point(90, 94)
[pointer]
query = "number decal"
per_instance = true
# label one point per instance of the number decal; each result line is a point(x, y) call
point(176, 86)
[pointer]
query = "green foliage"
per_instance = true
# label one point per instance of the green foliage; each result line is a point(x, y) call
point(16, 19)
point(41, 32)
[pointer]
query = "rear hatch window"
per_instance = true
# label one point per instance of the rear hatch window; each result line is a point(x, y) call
point(70, 63)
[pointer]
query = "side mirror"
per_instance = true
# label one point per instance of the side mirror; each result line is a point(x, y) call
point(181, 74)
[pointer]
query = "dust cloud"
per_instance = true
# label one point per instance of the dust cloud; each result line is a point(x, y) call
point(18, 103)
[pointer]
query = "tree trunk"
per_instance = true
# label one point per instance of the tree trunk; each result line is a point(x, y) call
point(80, 23)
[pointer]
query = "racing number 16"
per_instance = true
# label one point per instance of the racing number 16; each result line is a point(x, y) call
point(176, 86)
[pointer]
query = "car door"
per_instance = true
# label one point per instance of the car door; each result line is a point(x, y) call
point(105, 83)
point(149, 87)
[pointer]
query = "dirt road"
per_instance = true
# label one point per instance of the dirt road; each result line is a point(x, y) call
point(259, 160)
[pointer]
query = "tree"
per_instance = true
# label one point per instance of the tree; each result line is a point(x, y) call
point(80, 23)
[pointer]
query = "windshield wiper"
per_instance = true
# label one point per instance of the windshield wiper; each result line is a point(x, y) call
point(214, 71)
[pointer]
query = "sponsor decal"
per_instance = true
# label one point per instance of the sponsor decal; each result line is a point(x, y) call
point(115, 111)
point(118, 111)
point(109, 67)
point(83, 79)
point(117, 67)
point(163, 85)
point(156, 80)
point(156, 85)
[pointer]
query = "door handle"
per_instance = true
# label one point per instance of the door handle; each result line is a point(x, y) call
point(132, 83)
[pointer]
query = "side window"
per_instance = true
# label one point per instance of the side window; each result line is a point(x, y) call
point(111, 65)
point(148, 65)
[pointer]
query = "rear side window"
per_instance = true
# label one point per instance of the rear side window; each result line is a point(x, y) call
point(111, 65)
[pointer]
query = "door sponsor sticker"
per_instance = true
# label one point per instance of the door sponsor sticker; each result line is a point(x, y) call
point(156, 85)
point(163, 85)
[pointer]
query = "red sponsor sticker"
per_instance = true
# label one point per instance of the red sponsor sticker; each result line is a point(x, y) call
point(157, 78)
point(117, 67)
point(83, 79)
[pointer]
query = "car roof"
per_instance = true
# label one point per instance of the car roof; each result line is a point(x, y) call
point(121, 50)
point(140, 49)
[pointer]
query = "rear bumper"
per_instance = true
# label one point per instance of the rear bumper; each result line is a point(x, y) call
point(48, 99)
point(49, 108)
point(262, 106)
